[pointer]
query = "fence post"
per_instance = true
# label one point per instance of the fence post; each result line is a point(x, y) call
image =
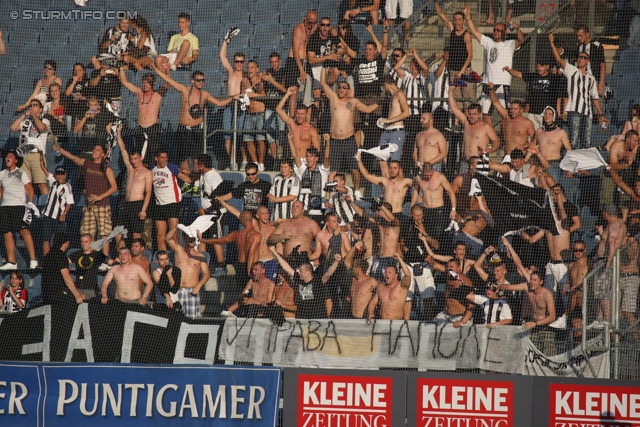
point(232, 157)
point(615, 312)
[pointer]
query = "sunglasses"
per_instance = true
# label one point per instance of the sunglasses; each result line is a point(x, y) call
point(312, 23)
point(578, 250)
point(252, 174)
point(239, 61)
point(198, 80)
point(583, 57)
point(343, 87)
point(499, 30)
point(397, 56)
point(49, 68)
point(325, 25)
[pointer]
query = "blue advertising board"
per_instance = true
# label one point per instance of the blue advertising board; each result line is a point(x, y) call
point(138, 395)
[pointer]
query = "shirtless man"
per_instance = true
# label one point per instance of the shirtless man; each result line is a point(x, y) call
point(432, 185)
point(284, 296)
point(629, 281)
point(612, 239)
point(257, 293)
point(393, 132)
point(363, 287)
point(190, 124)
point(193, 264)
point(431, 146)
point(128, 277)
point(389, 229)
point(297, 231)
point(476, 132)
point(551, 140)
point(138, 191)
point(331, 240)
point(247, 240)
point(395, 186)
point(392, 295)
point(622, 155)
point(147, 133)
point(304, 134)
point(538, 311)
point(296, 66)
point(253, 86)
point(516, 130)
point(343, 143)
point(457, 309)
point(578, 269)
point(235, 74)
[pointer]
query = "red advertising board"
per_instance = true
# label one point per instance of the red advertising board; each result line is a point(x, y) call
point(341, 401)
point(577, 405)
point(444, 402)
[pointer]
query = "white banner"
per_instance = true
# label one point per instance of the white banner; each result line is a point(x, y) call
point(349, 344)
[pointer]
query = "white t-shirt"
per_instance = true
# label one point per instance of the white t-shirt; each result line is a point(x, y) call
point(12, 184)
point(208, 182)
point(486, 303)
point(30, 134)
point(165, 184)
point(499, 55)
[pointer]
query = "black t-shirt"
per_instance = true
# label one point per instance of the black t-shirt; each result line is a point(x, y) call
point(54, 289)
point(76, 107)
point(271, 91)
point(460, 294)
point(410, 236)
point(542, 91)
point(310, 297)
point(368, 75)
point(109, 86)
point(87, 268)
point(253, 195)
point(322, 48)
point(94, 131)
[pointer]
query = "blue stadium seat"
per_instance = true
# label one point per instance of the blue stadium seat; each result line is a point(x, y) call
point(233, 16)
point(376, 190)
point(236, 177)
point(81, 36)
point(206, 12)
point(23, 34)
point(265, 177)
point(237, 203)
point(42, 200)
point(174, 8)
point(261, 15)
point(293, 14)
point(34, 291)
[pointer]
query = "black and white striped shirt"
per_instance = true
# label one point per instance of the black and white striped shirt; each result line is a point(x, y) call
point(60, 195)
point(342, 208)
point(582, 88)
point(416, 90)
point(312, 183)
point(283, 187)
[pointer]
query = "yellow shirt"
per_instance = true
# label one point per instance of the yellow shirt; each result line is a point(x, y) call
point(176, 42)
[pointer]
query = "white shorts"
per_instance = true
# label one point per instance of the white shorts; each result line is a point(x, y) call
point(485, 100)
point(171, 56)
point(444, 317)
point(406, 8)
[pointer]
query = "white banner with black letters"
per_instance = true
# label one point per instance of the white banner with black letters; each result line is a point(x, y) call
point(395, 344)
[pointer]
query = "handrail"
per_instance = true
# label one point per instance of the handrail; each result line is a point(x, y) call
point(585, 302)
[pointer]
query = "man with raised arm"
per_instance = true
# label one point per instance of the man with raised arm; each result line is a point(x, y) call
point(499, 55)
point(392, 295)
point(195, 272)
point(582, 89)
point(189, 135)
point(363, 286)
point(343, 143)
point(393, 132)
point(313, 178)
point(304, 134)
point(432, 185)
point(431, 146)
point(247, 240)
point(128, 277)
point(518, 169)
point(147, 133)
point(516, 130)
point(457, 309)
point(477, 133)
point(395, 186)
point(235, 74)
point(138, 191)
point(296, 66)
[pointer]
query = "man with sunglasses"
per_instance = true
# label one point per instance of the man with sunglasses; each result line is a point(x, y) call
point(499, 55)
point(582, 90)
point(321, 48)
point(578, 269)
point(190, 124)
point(235, 74)
point(496, 309)
point(597, 65)
point(253, 192)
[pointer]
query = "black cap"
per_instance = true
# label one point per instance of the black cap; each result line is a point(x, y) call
point(543, 61)
point(60, 171)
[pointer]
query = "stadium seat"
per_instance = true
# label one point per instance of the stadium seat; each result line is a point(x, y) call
point(206, 12)
point(85, 37)
point(376, 190)
point(265, 177)
point(236, 177)
point(34, 290)
point(294, 14)
point(42, 200)
point(237, 203)
point(24, 34)
point(233, 16)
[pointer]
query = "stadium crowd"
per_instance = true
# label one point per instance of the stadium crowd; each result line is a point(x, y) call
point(309, 245)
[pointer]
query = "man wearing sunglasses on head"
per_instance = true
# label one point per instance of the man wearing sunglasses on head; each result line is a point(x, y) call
point(499, 55)
point(190, 125)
